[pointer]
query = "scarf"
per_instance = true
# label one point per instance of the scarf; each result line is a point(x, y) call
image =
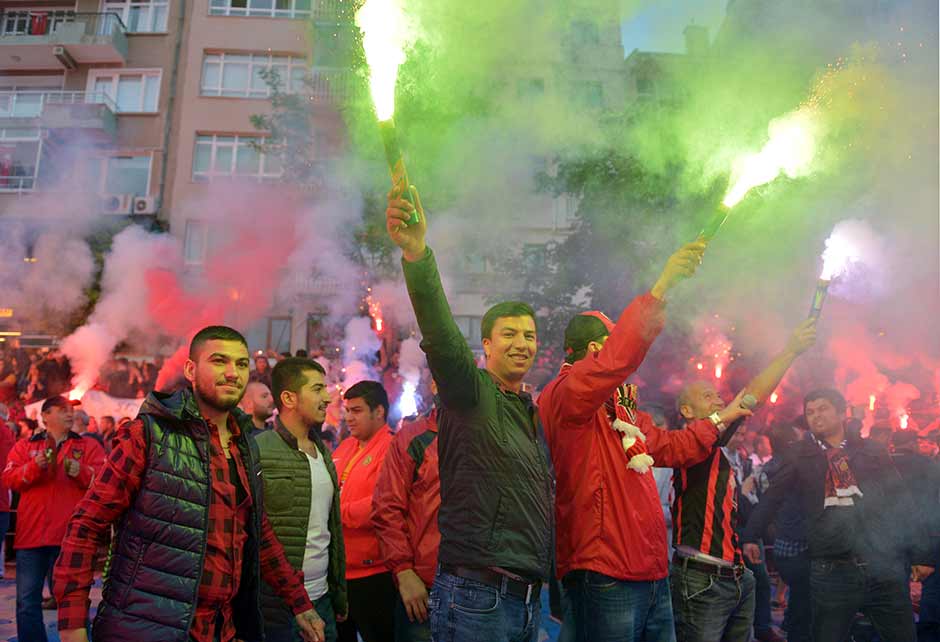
point(841, 486)
point(621, 409)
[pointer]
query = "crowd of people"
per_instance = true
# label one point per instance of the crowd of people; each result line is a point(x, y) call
point(261, 500)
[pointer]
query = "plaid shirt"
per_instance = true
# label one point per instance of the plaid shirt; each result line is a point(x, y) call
point(114, 492)
point(789, 548)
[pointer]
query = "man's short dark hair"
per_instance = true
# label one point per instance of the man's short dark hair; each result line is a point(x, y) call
point(782, 436)
point(214, 333)
point(371, 392)
point(501, 311)
point(288, 374)
point(832, 395)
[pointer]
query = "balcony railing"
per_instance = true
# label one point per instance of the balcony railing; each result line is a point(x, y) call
point(43, 23)
point(332, 85)
point(30, 104)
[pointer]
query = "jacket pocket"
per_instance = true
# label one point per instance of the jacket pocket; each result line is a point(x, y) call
point(599, 511)
point(496, 527)
point(278, 494)
point(132, 575)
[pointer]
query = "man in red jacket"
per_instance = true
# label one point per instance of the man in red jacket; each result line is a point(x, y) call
point(51, 471)
point(611, 549)
point(369, 584)
point(404, 514)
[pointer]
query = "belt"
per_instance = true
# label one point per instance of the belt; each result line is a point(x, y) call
point(503, 583)
point(727, 572)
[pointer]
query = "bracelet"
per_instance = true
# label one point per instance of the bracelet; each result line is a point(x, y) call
point(716, 420)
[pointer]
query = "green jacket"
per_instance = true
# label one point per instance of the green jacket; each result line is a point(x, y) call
point(287, 501)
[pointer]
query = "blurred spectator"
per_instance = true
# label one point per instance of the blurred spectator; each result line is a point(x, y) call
point(7, 440)
point(262, 371)
point(106, 427)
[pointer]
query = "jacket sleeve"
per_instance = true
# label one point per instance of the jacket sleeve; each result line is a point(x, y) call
point(277, 571)
point(390, 504)
point(92, 462)
point(782, 484)
point(102, 506)
point(678, 448)
point(21, 470)
point(449, 357)
point(356, 513)
point(592, 380)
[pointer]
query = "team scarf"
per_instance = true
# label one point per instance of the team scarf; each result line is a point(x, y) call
point(621, 409)
point(841, 486)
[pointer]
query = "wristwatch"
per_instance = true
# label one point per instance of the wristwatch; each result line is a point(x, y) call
point(716, 420)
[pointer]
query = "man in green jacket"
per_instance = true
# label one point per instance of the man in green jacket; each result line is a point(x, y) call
point(301, 495)
point(496, 514)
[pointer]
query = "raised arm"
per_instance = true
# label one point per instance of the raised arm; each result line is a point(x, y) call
point(449, 356)
point(592, 380)
point(801, 340)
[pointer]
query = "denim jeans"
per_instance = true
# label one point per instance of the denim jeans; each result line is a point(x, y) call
point(463, 610)
point(762, 619)
point(408, 631)
point(709, 608)
point(842, 588)
point(324, 608)
point(798, 619)
point(605, 609)
point(928, 625)
point(32, 567)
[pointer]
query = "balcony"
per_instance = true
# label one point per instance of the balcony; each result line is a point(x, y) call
point(35, 40)
point(89, 114)
point(332, 85)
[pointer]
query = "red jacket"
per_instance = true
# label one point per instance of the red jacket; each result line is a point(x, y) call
point(407, 498)
point(49, 496)
point(609, 519)
point(355, 501)
point(7, 439)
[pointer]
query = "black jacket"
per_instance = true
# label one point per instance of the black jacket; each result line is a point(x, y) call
point(163, 533)
point(884, 527)
point(497, 490)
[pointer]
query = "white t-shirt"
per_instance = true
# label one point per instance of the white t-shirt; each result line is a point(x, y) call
point(316, 552)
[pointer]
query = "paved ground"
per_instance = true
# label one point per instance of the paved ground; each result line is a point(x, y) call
point(8, 611)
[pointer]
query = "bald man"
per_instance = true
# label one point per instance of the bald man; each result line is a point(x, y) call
point(258, 402)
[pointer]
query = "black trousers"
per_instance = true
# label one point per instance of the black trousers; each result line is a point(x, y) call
point(798, 621)
point(371, 609)
point(842, 588)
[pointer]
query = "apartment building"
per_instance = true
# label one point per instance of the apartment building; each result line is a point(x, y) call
point(112, 109)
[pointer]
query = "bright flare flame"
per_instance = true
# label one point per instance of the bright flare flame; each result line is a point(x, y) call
point(774, 397)
point(408, 402)
point(837, 256)
point(871, 402)
point(76, 394)
point(386, 33)
point(905, 418)
point(790, 150)
point(718, 371)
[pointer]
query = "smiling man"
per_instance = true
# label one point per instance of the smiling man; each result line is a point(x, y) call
point(301, 494)
point(182, 486)
point(358, 460)
point(496, 486)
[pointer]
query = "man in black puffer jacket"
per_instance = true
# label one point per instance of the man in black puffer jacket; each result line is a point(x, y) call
point(182, 485)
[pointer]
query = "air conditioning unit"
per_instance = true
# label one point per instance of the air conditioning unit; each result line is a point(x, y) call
point(144, 205)
point(117, 203)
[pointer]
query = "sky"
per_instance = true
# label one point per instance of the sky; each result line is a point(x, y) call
point(658, 25)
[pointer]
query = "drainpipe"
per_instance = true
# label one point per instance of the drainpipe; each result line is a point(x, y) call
point(171, 103)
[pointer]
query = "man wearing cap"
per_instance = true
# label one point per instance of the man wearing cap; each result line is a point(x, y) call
point(51, 471)
point(611, 540)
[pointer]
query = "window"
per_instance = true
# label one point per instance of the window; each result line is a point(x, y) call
point(194, 242)
point(19, 159)
point(140, 16)
point(534, 256)
point(33, 22)
point(272, 333)
point(530, 87)
point(645, 87)
point(227, 74)
point(226, 157)
point(589, 93)
point(584, 32)
point(261, 8)
point(128, 175)
point(132, 90)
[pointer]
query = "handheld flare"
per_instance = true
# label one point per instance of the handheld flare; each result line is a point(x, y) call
point(396, 163)
point(822, 288)
point(714, 223)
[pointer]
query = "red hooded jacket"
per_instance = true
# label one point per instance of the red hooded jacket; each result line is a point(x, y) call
point(609, 519)
point(48, 496)
point(360, 470)
point(407, 498)
point(7, 440)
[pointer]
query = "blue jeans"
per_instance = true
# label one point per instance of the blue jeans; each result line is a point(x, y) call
point(709, 608)
point(33, 565)
point(762, 619)
point(463, 610)
point(605, 609)
point(408, 631)
point(841, 588)
point(324, 608)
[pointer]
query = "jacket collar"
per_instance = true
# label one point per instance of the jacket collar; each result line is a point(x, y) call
point(42, 436)
point(289, 438)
